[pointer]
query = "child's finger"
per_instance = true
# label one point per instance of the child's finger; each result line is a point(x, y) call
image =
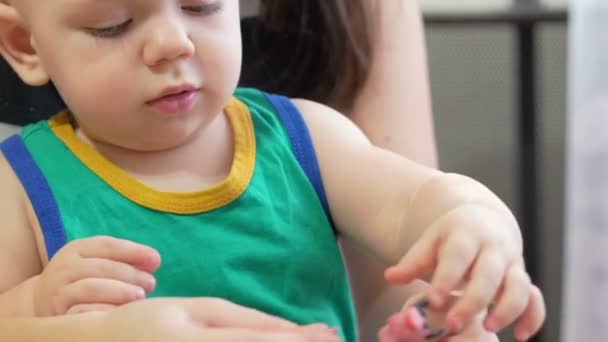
point(106, 291)
point(455, 259)
point(105, 247)
point(105, 268)
point(418, 263)
point(486, 278)
point(534, 316)
point(512, 300)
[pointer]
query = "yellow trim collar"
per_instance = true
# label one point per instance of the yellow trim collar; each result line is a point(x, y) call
point(209, 199)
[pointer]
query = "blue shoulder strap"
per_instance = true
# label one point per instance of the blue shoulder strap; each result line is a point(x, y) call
point(38, 192)
point(301, 143)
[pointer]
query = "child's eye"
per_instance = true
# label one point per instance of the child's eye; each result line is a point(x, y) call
point(205, 9)
point(110, 31)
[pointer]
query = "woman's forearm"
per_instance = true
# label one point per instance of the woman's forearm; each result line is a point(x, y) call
point(394, 106)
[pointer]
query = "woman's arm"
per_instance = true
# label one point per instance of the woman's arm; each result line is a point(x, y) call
point(164, 319)
point(394, 110)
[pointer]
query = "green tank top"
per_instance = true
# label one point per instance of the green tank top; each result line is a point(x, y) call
point(261, 238)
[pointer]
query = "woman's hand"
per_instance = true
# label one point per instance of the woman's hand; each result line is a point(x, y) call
point(199, 319)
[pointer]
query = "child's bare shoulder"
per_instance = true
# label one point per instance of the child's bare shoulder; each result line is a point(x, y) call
point(19, 258)
point(326, 122)
point(10, 197)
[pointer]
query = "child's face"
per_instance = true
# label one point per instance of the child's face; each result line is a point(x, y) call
point(110, 58)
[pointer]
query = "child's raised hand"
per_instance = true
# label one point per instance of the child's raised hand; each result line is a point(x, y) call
point(94, 274)
point(470, 241)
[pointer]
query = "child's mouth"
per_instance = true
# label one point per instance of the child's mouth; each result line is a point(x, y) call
point(176, 102)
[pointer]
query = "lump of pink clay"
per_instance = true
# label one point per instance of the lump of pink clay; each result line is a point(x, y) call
point(406, 326)
point(413, 319)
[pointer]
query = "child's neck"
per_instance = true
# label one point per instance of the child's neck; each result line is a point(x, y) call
point(200, 162)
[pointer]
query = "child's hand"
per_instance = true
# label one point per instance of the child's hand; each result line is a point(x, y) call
point(470, 240)
point(94, 274)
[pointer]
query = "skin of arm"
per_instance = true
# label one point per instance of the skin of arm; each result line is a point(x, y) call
point(50, 329)
point(17, 247)
point(370, 204)
point(393, 108)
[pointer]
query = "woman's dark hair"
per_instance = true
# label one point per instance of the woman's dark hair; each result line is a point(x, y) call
point(316, 49)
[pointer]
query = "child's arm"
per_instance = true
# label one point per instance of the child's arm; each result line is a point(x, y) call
point(19, 260)
point(89, 274)
point(361, 181)
point(458, 228)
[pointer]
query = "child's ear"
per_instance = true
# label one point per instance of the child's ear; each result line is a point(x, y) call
point(17, 48)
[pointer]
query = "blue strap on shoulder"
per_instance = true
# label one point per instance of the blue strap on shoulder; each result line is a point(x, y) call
point(301, 143)
point(38, 192)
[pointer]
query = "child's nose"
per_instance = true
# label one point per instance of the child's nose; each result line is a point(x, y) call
point(167, 42)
